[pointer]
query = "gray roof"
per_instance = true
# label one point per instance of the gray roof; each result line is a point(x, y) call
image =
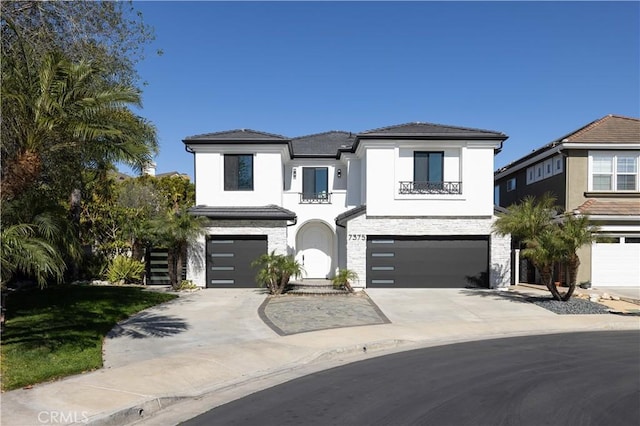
point(342, 218)
point(270, 212)
point(237, 135)
point(431, 131)
point(327, 144)
point(332, 143)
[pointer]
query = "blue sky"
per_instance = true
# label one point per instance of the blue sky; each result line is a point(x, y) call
point(533, 70)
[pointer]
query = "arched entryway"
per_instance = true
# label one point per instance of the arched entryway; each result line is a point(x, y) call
point(314, 243)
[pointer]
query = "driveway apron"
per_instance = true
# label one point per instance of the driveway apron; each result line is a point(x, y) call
point(197, 320)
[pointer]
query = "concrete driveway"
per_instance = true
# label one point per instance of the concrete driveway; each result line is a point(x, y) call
point(212, 345)
point(431, 306)
point(201, 319)
point(627, 292)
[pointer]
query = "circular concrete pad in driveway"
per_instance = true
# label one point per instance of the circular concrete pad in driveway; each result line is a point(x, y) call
point(299, 314)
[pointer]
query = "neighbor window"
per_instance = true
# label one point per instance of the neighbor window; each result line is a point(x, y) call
point(238, 172)
point(530, 175)
point(315, 183)
point(558, 165)
point(511, 184)
point(614, 172)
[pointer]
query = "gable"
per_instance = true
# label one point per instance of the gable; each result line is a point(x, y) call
point(609, 129)
point(327, 144)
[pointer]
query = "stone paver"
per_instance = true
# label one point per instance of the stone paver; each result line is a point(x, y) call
point(300, 314)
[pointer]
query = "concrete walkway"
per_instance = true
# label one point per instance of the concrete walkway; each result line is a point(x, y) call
point(212, 346)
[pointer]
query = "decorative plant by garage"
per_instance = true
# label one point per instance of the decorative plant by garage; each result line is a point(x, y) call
point(344, 278)
point(550, 238)
point(276, 270)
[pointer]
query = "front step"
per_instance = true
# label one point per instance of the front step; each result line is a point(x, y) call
point(314, 287)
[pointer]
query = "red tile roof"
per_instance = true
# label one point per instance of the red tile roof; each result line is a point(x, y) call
point(610, 207)
point(609, 129)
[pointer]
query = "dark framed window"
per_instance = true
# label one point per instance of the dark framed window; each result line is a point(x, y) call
point(315, 183)
point(428, 166)
point(238, 172)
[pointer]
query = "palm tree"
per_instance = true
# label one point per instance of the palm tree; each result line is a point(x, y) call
point(528, 218)
point(532, 222)
point(26, 249)
point(343, 278)
point(268, 275)
point(575, 231)
point(67, 111)
point(176, 230)
point(276, 270)
point(545, 250)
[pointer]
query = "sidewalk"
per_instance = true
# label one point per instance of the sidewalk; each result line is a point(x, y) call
point(224, 351)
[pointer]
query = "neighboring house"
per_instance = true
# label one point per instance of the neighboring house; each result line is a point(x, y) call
point(403, 206)
point(592, 171)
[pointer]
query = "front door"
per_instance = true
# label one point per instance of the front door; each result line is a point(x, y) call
point(314, 250)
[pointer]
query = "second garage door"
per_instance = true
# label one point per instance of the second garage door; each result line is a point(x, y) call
point(427, 262)
point(615, 262)
point(229, 259)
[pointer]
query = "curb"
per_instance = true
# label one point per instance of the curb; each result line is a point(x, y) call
point(135, 413)
point(150, 407)
point(146, 410)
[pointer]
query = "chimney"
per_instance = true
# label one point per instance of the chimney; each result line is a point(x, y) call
point(149, 169)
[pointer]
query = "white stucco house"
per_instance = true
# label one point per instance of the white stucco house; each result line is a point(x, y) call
point(409, 205)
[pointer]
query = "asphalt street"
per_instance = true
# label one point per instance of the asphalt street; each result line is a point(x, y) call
point(560, 379)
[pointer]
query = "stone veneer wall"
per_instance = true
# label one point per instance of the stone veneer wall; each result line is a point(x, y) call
point(500, 247)
point(275, 230)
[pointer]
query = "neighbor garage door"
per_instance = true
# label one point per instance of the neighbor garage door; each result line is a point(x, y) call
point(427, 262)
point(229, 259)
point(616, 262)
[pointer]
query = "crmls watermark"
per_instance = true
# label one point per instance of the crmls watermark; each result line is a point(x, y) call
point(62, 417)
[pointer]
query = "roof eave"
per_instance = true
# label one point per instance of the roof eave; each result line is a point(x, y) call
point(235, 141)
point(443, 136)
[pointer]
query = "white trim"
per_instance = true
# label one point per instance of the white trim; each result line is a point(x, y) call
point(614, 171)
point(613, 217)
point(565, 145)
point(601, 146)
point(533, 160)
point(548, 168)
point(558, 165)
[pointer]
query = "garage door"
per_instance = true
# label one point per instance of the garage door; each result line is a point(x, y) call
point(229, 259)
point(616, 262)
point(427, 262)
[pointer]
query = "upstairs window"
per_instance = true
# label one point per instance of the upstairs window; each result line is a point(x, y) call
point(614, 172)
point(511, 184)
point(428, 176)
point(315, 184)
point(238, 172)
point(428, 166)
point(626, 173)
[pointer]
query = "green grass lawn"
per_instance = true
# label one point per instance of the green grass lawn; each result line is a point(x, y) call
point(58, 331)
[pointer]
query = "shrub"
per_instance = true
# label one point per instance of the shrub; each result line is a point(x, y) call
point(186, 285)
point(123, 269)
point(276, 270)
point(343, 279)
